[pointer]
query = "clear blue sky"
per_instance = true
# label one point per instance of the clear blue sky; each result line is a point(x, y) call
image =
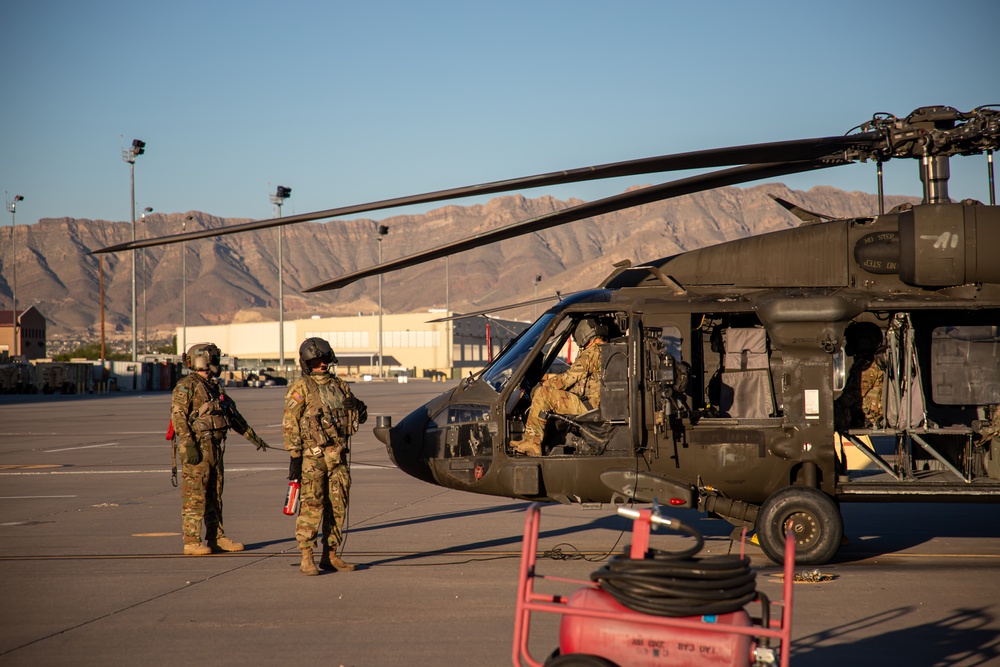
point(348, 102)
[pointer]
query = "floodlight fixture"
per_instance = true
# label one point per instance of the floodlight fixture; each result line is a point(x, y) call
point(382, 231)
point(129, 155)
point(278, 198)
point(12, 207)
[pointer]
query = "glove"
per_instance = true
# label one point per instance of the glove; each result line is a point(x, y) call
point(362, 411)
point(295, 469)
point(192, 452)
point(257, 441)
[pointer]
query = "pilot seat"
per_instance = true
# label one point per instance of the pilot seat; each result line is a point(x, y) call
point(604, 429)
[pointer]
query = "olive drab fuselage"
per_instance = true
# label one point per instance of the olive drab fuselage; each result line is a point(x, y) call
point(752, 421)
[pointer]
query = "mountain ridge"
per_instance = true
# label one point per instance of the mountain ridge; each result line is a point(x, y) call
point(234, 277)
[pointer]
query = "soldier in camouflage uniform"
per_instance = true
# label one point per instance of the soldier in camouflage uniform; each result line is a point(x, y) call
point(574, 392)
point(860, 403)
point(872, 379)
point(321, 415)
point(200, 423)
point(989, 439)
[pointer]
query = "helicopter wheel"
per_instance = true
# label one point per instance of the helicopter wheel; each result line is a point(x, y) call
point(578, 660)
point(810, 515)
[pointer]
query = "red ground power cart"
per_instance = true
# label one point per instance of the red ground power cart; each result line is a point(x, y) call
point(598, 628)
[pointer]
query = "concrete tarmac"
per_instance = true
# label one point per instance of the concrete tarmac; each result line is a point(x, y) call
point(91, 571)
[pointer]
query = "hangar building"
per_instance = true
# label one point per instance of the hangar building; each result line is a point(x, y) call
point(411, 342)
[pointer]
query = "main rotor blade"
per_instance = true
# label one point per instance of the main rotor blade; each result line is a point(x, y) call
point(783, 151)
point(510, 306)
point(802, 214)
point(618, 202)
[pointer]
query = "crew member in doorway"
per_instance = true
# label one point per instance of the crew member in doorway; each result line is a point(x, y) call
point(321, 415)
point(574, 392)
point(860, 403)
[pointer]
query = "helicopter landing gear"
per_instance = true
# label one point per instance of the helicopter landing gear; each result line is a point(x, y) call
point(812, 518)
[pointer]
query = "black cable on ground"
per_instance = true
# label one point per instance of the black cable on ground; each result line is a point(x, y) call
point(667, 583)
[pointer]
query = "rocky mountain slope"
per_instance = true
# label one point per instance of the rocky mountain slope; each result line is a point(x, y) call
point(235, 278)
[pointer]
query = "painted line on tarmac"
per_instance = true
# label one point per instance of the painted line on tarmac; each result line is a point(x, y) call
point(67, 449)
point(32, 466)
point(354, 466)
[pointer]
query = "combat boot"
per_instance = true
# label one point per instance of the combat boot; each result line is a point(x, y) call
point(196, 549)
point(308, 567)
point(526, 447)
point(224, 544)
point(331, 561)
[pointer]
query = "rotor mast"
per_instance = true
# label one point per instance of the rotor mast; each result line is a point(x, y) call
point(935, 168)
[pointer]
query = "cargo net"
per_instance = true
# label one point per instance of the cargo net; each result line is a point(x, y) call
point(676, 583)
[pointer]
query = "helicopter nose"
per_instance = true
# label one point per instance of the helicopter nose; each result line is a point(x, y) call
point(404, 443)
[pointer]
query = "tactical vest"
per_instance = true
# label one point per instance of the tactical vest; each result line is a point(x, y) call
point(209, 420)
point(324, 424)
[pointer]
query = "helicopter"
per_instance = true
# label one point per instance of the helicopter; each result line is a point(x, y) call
point(733, 377)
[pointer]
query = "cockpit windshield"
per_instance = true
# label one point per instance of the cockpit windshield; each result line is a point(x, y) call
point(500, 372)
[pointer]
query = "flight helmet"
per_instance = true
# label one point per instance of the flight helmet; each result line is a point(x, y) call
point(587, 330)
point(315, 348)
point(862, 338)
point(204, 357)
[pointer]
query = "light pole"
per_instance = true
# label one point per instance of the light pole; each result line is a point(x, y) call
point(382, 231)
point(447, 313)
point(278, 199)
point(12, 207)
point(129, 155)
point(184, 283)
point(145, 312)
point(538, 279)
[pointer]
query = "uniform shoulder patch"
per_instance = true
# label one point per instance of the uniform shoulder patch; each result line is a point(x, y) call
point(297, 397)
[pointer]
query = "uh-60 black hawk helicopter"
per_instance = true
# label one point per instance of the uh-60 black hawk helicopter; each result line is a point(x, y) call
point(732, 375)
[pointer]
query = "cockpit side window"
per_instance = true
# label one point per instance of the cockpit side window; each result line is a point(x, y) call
point(557, 405)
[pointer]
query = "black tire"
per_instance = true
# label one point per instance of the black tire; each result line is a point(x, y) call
point(812, 517)
point(578, 660)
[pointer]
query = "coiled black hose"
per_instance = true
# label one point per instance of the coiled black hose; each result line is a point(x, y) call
point(668, 583)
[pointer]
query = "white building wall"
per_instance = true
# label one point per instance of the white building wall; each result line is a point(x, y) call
point(408, 337)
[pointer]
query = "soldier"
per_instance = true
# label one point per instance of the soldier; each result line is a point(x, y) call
point(200, 416)
point(860, 403)
point(571, 393)
point(321, 415)
point(872, 379)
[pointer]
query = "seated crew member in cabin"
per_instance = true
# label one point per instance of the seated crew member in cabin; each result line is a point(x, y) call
point(574, 392)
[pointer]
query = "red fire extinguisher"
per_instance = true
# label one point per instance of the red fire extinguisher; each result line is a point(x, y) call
point(292, 498)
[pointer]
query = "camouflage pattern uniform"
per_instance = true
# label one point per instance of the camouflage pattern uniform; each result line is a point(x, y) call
point(318, 428)
point(989, 440)
point(564, 394)
point(860, 403)
point(872, 379)
point(197, 417)
point(990, 429)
